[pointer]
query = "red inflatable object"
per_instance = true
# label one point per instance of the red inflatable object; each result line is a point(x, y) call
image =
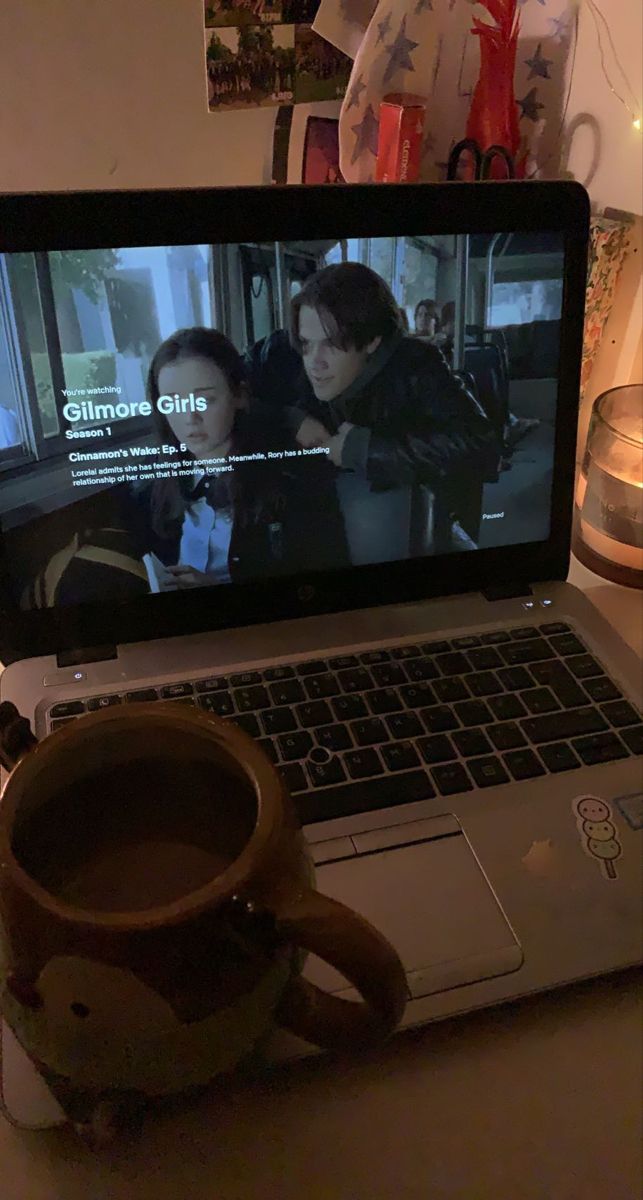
point(493, 117)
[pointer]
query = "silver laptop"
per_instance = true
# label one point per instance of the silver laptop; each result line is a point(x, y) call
point(349, 532)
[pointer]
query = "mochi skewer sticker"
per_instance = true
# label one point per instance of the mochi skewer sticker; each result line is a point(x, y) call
point(598, 832)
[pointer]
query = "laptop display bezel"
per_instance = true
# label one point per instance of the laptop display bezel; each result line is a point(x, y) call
point(94, 220)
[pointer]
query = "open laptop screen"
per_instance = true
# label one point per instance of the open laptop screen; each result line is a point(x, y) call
point(187, 416)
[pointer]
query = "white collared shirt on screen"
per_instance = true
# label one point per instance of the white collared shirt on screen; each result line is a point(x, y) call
point(205, 539)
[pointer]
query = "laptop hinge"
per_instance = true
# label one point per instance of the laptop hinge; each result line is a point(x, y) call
point(507, 591)
point(88, 654)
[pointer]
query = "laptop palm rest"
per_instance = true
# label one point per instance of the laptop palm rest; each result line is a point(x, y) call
point(430, 898)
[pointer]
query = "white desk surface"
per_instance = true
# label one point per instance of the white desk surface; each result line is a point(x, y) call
point(539, 1100)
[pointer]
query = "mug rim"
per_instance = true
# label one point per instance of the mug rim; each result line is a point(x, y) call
point(267, 788)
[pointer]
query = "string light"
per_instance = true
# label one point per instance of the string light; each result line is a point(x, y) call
point(597, 16)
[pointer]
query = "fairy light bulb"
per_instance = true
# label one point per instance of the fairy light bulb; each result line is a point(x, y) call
point(637, 124)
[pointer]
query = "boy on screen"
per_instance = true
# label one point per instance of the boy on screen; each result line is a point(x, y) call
point(399, 426)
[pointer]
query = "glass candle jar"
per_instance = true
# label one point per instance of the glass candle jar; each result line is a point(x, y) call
point(608, 509)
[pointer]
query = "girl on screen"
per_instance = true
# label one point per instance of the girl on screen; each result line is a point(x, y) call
point(260, 516)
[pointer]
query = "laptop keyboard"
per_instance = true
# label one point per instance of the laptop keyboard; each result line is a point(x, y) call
point(385, 727)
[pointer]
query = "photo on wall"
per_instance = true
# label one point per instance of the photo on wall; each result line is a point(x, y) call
point(250, 66)
point(321, 70)
point(321, 151)
point(243, 12)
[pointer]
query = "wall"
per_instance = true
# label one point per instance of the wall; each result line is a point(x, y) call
point(111, 93)
point(618, 178)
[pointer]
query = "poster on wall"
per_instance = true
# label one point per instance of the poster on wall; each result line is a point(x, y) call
point(264, 53)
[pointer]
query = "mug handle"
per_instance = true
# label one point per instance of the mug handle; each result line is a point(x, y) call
point(348, 942)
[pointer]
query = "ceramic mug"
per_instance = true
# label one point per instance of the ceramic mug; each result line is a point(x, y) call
point(156, 896)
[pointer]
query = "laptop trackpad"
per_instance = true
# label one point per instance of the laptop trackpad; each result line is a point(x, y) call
point(432, 901)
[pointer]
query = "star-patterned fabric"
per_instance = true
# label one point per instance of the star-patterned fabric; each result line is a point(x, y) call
point(426, 47)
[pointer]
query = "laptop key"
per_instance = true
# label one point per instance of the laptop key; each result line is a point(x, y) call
point(357, 680)
point(451, 778)
point(315, 713)
point(540, 700)
point(251, 698)
point(141, 695)
point(294, 745)
point(343, 661)
point(404, 652)
point(466, 642)
point(294, 776)
point(319, 686)
point(485, 683)
point(523, 764)
point(471, 741)
point(506, 707)
point(400, 756)
point(388, 674)
point(67, 708)
point(523, 632)
point(473, 712)
point(334, 737)
point(316, 667)
point(558, 756)
point(384, 700)
point(485, 659)
point(634, 738)
point(435, 647)
point(245, 679)
point(525, 652)
point(555, 627)
point(567, 644)
point(174, 691)
point(563, 725)
point(439, 719)
point(249, 723)
point(584, 666)
point(421, 668)
point(436, 749)
point(601, 748)
point(450, 689)
point(371, 657)
point(506, 736)
point(279, 720)
point(515, 678)
point(366, 795)
point(453, 664)
point(277, 674)
point(601, 688)
point(488, 772)
point(562, 683)
point(416, 695)
point(361, 764)
point(215, 683)
point(369, 732)
point(404, 725)
point(620, 712)
point(217, 702)
point(346, 708)
point(288, 692)
point(495, 637)
point(323, 774)
point(98, 702)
